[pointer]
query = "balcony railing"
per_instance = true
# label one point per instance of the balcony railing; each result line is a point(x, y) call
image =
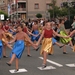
point(21, 9)
point(12, 2)
point(18, 10)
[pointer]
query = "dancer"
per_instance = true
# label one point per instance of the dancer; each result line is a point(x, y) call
point(64, 33)
point(27, 43)
point(18, 46)
point(35, 31)
point(3, 39)
point(47, 33)
point(8, 37)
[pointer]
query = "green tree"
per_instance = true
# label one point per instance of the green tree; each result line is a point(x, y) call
point(5, 15)
point(70, 8)
point(54, 12)
point(63, 12)
point(39, 15)
point(53, 5)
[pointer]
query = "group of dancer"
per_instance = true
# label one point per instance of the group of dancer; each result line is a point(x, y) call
point(22, 36)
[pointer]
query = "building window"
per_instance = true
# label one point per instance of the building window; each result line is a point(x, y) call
point(48, 6)
point(36, 6)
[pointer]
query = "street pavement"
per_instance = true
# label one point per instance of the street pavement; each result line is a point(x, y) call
point(57, 64)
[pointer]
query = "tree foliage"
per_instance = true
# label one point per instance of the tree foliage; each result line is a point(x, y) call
point(68, 9)
point(5, 15)
point(39, 15)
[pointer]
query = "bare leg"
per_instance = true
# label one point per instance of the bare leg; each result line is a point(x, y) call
point(28, 50)
point(71, 44)
point(74, 49)
point(64, 50)
point(44, 57)
point(60, 45)
point(17, 64)
point(12, 59)
point(4, 50)
point(57, 43)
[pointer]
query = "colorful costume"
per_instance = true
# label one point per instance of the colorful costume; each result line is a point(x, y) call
point(27, 43)
point(63, 33)
point(47, 42)
point(33, 38)
point(40, 30)
point(8, 38)
point(54, 41)
point(1, 45)
point(18, 48)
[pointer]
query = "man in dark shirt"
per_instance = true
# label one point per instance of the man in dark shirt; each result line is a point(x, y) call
point(67, 25)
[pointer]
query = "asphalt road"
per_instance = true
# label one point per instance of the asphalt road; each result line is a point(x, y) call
point(56, 63)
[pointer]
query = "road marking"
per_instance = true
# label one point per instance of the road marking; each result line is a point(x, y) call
point(52, 62)
point(20, 71)
point(47, 68)
point(70, 65)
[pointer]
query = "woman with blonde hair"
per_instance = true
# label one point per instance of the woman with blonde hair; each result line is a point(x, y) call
point(47, 46)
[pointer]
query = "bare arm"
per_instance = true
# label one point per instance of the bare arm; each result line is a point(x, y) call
point(14, 39)
point(59, 35)
point(27, 37)
point(32, 33)
point(73, 32)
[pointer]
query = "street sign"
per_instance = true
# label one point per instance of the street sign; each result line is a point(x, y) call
point(2, 17)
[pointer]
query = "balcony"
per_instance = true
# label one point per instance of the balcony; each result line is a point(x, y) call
point(21, 0)
point(19, 10)
point(18, 1)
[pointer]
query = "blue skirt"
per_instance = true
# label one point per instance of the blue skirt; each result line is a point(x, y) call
point(1, 47)
point(54, 41)
point(33, 38)
point(18, 48)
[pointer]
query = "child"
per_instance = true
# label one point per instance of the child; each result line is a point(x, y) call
point(18, 46)
point(63, 32)
point(3, 40)
point(25, 29)
point(35, 31)
point(47, 33)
